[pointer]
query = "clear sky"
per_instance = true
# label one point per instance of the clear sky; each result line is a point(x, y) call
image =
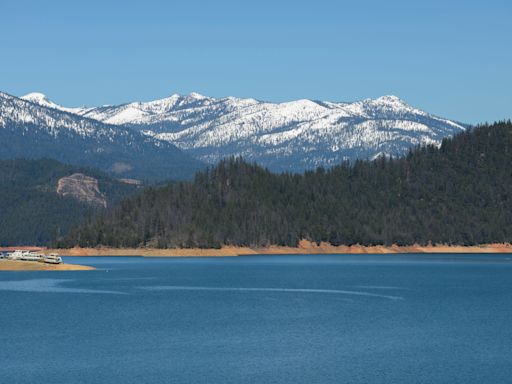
point(451, 58)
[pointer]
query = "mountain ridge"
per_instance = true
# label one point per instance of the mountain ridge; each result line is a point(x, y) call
point(35, 130)
point(288, 136)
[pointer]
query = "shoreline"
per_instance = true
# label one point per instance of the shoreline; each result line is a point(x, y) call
point(305, 247)
point(18, 265)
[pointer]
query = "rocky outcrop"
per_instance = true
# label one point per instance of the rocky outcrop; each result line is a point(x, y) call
point(83, 188)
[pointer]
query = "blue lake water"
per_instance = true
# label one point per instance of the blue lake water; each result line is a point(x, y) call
point(261, 319)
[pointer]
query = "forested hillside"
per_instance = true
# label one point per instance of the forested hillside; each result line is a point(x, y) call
point(33, 131)
point(460, 193)
point(31, 210)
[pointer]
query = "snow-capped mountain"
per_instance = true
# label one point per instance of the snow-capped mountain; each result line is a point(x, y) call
point(35, 127)
point(292, 136)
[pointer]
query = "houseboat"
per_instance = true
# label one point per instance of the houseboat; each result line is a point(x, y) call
point(19, 255)
point(52, 258)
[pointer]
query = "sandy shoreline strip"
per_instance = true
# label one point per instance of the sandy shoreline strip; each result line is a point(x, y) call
point(12, 265)
point(305, 247)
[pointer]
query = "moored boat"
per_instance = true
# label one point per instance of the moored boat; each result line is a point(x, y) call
point(19, 255)
point(24, 255)
point(52, 258)
point(31, 256)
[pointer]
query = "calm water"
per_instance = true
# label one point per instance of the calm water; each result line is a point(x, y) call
point(264, 319)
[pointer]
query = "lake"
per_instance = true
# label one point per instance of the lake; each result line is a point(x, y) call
point(261, 319)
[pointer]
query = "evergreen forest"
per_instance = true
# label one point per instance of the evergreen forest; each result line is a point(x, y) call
point(458, 193)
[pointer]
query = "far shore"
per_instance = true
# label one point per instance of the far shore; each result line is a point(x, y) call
point(18, 265)
point(305, 247)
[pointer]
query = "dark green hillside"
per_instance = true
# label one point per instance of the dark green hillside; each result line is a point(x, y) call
point(31, 212)
point(460, 193)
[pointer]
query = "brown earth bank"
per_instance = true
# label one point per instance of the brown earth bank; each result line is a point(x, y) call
point(16, 265)
point(305, 247)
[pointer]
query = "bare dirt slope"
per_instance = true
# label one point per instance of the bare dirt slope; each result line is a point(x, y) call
point(82, 188)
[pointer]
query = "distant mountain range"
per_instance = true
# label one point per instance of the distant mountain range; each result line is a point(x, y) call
point(175, 136)
point(34, 130)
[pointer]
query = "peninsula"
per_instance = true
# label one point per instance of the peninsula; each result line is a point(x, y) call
point(15, 265)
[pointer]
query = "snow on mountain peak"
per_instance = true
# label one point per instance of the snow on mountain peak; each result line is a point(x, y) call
point(198, 96)
point(38, 98)
point(390, 99)
point(43, 100)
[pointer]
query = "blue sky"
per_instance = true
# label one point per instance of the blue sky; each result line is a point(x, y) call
point(452, 58)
